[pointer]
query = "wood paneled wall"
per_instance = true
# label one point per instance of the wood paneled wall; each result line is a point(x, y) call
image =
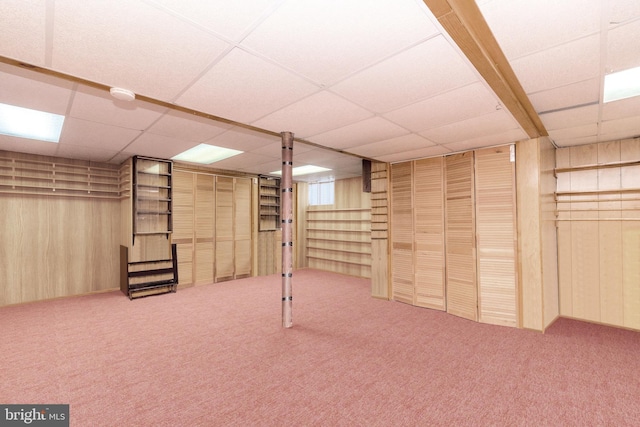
point(380, 260)
point(55, 244)
point(599, 232)
point(537, 253)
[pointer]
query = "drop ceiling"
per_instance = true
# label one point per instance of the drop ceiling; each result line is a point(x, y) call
point(387, 80)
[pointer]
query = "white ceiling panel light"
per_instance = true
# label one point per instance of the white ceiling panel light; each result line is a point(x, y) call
point(622, 85)
point(303, 170)
point(31, 124)
point(206, 154)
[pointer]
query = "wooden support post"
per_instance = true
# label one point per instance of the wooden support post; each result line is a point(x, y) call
point(286, 216)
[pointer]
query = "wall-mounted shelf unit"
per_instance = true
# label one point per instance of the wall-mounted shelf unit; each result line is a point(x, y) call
point(269, 206)
point(339, 240)
point(19, 174)
point(152, 196)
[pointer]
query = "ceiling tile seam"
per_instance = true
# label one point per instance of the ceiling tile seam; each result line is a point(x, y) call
point(604, 35)
point(48, 32)
point(479, 116)
point(554, 46)
point(378, 61)
point(570, 107)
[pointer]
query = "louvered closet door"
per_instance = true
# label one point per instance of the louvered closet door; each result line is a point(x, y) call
point(224, 229)
point(204, 228)
point(242, 227)
point(462, 296)
point(496, 236)
point(402, 233)
point(183, 221)
point(428, 199)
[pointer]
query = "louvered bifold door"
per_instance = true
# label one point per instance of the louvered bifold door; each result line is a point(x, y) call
point(428, 208)
point(402, 233)
point(183, 224)
point(496, 236)
point(462, 297)
point(224, 229)
point(204, 228)
point(242, 226)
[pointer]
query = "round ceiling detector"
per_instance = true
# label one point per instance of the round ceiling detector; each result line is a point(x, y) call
point(122, 94)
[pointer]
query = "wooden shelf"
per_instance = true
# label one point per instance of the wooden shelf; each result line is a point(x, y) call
point(269, 203)
point(152, 221)
point(598, 166)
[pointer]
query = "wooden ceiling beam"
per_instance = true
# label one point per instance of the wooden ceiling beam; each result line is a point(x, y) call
point(464, 23)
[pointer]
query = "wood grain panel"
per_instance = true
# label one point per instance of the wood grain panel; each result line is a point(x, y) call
point(380, 230)
point(242, 225)
point(184, 223)
point(204, 228)
point(402, 233)
point(428, 194)
point(224, 248)
point(462, 298)
point(496, 231)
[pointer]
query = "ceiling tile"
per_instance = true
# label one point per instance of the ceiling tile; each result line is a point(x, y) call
point(585, 92)
point(327, 40)
point(570, 118)
point(148, 51)
point(409, 142)
point(31, 146)
point(22, 33)
point(230, 19)
point(568, 133)
point(96, 135)
point(522, 27)
point(243, 139)
point(244, 162)
point(623, 45)
point(621, 10)
point(82, 152)
point(559, 66)
point(621, 109)
point(301, 118)
point(572, 142)
point(423, 71)
point(622, 128)
point(500, 138)
point(178, 124)
point(158, 146)
point(420, 153)
point(482, 126)
point(243, 88)
point(365, 131)
point(97, 105)
point(30, 89)
point(453, 106)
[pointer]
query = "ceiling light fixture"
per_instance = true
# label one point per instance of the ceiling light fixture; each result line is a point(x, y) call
point(206, 154)
point(622, 85)
point(303, 170)
point(122, 94)
point(30, 124)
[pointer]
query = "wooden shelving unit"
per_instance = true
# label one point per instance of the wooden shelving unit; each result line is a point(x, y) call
point(340, 240)
point(152, 191)
point(57, 178)
point(269, 203)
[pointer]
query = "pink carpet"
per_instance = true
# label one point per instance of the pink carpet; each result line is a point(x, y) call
point(216, 355)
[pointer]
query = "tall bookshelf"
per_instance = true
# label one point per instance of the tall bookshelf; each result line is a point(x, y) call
point(269, 203)
point(152, 200)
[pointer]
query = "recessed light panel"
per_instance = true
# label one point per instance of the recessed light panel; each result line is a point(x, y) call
point(206, 154)
point(31, 124)
point(621, 85)
point(303, 170)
